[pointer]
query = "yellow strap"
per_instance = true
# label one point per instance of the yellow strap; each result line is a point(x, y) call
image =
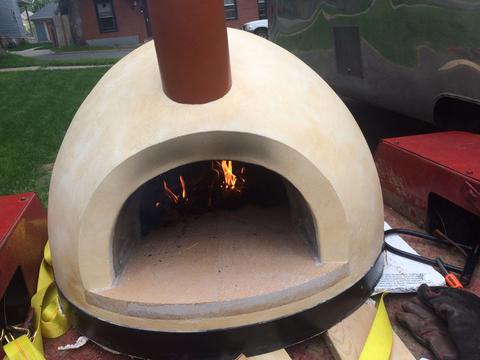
point(380, 338)
point(50, 318)
point(21, 348)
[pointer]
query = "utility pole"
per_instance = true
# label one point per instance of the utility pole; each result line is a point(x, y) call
point(72, 9)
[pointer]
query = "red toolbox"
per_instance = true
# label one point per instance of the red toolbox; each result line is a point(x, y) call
point(444, 164)
point(23, 234)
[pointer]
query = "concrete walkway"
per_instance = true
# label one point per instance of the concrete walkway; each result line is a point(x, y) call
point(35, 68)
point(26, 68)
point(46, 54)
point(33, 52)
point(76, 55)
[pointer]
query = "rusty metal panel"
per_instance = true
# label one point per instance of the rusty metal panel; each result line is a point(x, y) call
point(23, 234)
point(446, 164)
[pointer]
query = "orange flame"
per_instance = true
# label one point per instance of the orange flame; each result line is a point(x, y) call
point(170, 193)
point(184, 190)
point(230, 178)
point(175, 198)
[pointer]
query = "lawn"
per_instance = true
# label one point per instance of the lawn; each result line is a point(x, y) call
point(35, 111)
point(11, 61)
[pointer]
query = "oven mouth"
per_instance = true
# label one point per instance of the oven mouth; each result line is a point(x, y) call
point(211, 231)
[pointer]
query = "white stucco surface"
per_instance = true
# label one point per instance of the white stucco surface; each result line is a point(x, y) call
point(278, 114)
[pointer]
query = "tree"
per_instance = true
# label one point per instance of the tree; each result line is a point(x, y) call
point(72, 9)
point(36, 5)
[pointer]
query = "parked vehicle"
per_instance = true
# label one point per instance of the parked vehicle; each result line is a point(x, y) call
point(258, 27)
point(417, 57)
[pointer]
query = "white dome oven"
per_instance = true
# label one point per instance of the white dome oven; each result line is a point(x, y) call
point(222, 202)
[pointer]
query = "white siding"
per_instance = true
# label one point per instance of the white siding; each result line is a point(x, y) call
point(11, 24)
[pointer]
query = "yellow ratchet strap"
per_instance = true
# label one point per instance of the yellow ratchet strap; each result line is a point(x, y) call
point(380, 338)
point(50, 319)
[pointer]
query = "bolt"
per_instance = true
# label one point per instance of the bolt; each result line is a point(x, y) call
point(469, 172)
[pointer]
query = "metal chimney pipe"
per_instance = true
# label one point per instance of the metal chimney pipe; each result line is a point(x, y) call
point(192, 49)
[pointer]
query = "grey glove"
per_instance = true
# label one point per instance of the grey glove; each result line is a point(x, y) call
point(461, 312)
point(428, 329)
point(445, 320)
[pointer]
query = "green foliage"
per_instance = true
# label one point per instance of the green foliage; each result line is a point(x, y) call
point(36, 110)
point(63, 6)
point(38, 4)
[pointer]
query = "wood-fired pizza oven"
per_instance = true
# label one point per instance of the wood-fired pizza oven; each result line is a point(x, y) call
point(222, 202)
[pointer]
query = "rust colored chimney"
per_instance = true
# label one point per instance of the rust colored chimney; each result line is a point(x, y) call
point(192, 49)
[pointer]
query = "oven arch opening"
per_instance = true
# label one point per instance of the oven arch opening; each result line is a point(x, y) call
point(103, 285)
point(227, 222)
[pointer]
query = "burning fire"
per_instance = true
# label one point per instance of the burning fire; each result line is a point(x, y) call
point(230, 180)
point(184, 190)
point(175, 198)
point(225, 175)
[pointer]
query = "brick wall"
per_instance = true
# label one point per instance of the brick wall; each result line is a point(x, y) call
point(247, 11)
point(129, 21)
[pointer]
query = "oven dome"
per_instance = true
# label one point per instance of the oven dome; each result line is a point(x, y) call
point(279, 115)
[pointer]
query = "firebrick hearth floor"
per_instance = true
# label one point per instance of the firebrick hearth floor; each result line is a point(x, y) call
point(225, 256)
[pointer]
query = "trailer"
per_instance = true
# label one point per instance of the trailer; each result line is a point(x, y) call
point(420, 58)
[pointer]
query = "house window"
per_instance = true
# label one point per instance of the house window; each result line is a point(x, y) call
point(231, 12)
point(107, 21)
point(262, 9)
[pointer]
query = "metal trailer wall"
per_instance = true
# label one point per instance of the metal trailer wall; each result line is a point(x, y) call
point(404, 55)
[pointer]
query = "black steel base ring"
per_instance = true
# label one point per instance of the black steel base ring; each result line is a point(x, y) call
point(228, 343)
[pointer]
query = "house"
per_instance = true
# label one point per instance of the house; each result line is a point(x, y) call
point(126, 22)
point(238, 12)
point(115, 22)
point(43, 23)
point(11, 25)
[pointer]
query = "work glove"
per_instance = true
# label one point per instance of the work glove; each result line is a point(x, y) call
point(428, 329)
point(445, 320)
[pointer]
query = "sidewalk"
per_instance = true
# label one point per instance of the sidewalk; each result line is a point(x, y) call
point(68, 67)
point(46, 54)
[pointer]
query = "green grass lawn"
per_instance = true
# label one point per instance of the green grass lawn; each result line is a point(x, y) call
point(35, 111)
point(11, 61)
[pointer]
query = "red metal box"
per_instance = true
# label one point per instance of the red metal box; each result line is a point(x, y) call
point(413, 167)
point(23, 234)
